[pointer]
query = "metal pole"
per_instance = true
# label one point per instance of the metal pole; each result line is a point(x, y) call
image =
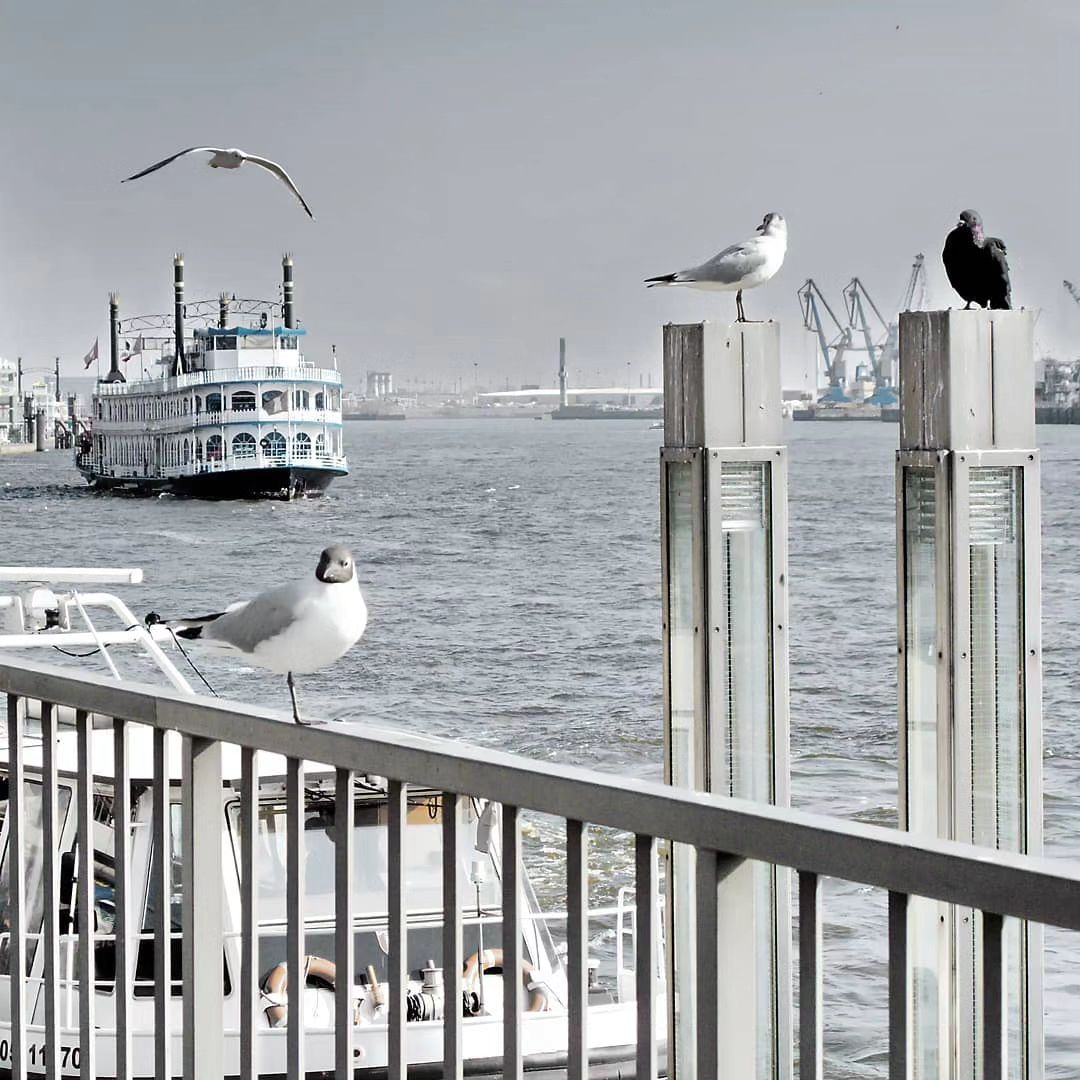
point(287, 308)
point(562, 373)
point(56, 388)
point(114, 375)
point(724, 556)
point(178, 310)
point(968, 573)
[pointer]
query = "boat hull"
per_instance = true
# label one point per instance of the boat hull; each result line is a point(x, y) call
point(272, 483)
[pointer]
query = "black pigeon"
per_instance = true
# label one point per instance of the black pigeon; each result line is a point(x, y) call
point(976, 265)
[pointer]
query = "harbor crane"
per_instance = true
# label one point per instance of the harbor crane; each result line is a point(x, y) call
point(832, 351)
point(858, 300)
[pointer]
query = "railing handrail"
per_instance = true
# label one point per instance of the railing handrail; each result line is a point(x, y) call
point(1039, 889)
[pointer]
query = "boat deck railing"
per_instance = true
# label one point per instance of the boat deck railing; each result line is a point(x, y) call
point(723, 832)
point(302, 372)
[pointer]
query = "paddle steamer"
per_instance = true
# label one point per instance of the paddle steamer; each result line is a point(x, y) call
point(233, 411)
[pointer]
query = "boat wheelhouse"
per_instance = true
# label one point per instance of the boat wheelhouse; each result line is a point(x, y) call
point(234, 411)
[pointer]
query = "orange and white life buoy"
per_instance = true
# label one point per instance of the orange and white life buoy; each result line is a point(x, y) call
point(275, 986)
point(493, 958)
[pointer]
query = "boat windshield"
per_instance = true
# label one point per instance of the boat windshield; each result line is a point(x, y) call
point(423, 859)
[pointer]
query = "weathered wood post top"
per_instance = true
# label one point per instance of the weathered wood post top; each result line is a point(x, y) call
point(967, 380)
point(722, 384)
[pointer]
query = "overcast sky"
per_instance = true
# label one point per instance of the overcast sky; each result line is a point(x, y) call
point(489, 176)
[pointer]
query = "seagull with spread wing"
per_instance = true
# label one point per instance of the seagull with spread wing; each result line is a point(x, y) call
point(230, 159)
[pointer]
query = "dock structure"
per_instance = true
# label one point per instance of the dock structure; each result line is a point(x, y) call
point(968, 583)
point(724, 573)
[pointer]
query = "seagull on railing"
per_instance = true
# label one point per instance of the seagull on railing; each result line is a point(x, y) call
point(741, 266)
point(230, 159)
point(291, 629)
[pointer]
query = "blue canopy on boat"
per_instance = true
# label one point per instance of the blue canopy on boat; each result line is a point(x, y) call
point(249, 331)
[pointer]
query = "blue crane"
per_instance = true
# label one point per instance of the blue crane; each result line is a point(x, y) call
point(857, 300)
point(832, 352)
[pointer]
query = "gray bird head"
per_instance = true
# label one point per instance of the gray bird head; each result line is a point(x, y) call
point(335, 565)
point(970, 220)
point(771, 224)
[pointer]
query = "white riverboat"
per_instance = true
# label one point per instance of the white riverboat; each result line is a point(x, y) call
point(47, 608)
point(233, 411)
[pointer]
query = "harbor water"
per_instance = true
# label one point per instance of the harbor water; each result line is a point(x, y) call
point(512, 572)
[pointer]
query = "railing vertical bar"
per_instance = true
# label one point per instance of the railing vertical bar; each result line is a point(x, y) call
point(202, 1002)
point(810, 974)
point(51, 889)
point(993, 995)
point(87, 972)
point(294, 943)
point(397, 801)
point(249, 911)
point(161, 887)
point(577, 956)
point(512, 950)
point(123, 907)
point(645, 953)
point(899, 1000)
point(452, 940)
point(707, 875)
point(17, 885)
point(344, 797)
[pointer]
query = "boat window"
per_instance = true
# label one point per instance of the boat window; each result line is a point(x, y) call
point(225, 342)
point(320, 400)
point(215, 449)
point(213, 403)
point(273, 444)
point(198, 449)
point(198, 404)
point(243, 445)
point(320, 445)
point(144, 962)
point(243, 401)
point(273, 401)
point(302, 445)
point(33, 846)
point(423, 856)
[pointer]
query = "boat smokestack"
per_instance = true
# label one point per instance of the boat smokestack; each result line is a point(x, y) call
point(223, 311)
point(562, 373)
point(287, 311)
point(115, 374)
point(178, 309)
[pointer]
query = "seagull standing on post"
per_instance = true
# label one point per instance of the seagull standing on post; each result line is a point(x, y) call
point(291, 629)
point(976, 265)
point(230, 159)
point(741, 266)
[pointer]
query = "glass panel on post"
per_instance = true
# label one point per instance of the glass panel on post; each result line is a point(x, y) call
point(684, 764)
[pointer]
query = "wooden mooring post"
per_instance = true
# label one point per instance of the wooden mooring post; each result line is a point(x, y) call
point(969, 646)
point(724, 558)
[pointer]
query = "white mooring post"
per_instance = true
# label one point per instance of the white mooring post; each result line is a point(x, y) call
point(723, 496)
point(968, 582)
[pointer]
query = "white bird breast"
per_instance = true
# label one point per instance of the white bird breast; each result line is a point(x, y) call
point(332, 622)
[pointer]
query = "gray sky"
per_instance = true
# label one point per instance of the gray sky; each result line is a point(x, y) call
point(487, 176)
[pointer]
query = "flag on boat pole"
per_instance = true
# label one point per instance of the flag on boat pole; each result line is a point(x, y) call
point(91, 356)
point(133, 350)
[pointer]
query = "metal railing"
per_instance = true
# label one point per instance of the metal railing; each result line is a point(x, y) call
point(192, 421)
point(722, 831)
point(292, 373)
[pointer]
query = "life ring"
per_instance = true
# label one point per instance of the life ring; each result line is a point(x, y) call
point(493, 958)
point(275, 985)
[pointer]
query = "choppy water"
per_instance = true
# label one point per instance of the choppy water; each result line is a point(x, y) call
point(512, 573)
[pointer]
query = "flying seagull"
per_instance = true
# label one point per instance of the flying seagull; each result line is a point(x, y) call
point(230, 159)
point(291, 629)
point(741, 266)
point(976, 264)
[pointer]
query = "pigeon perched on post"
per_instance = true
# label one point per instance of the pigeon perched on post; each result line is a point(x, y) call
point(976, 264)
point(741, 266)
